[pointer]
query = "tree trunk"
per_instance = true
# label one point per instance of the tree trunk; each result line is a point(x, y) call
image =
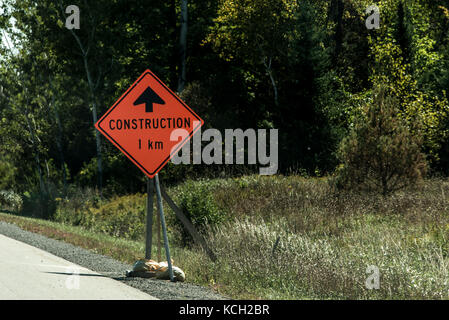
point(60, 149)
point(336, 15)
point(275, 88)
point(183, 46)
point(172, 19)
point(59, 139)
point(84, 52)
point(402, 33)
point(95, 118)
point(273, 82)
point(36, 155)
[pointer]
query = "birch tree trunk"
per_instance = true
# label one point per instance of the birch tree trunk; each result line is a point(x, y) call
point(85, 49)
point(183, 46)
point(172, 17)
point(94, 119)
point(273, 82)
point(59, 143)
point(36, 153)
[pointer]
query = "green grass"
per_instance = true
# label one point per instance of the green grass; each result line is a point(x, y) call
point(326, 239)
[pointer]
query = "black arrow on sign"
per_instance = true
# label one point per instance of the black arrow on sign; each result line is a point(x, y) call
point(149, 97)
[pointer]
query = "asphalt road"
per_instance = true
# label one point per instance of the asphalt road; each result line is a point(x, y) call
point(27, 272)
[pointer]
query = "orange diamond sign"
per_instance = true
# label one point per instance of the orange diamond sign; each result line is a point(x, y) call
point(142, 121)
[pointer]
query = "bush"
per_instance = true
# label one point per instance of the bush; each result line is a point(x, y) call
point(121, 217)
point(10, 200)
point(198, 204)
point(73, 209)
point(381, 153)
point(39, 205)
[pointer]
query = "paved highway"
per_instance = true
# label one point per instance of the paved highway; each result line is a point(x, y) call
point(28, 273)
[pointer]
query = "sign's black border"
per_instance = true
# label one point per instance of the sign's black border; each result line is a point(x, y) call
point(180, 145)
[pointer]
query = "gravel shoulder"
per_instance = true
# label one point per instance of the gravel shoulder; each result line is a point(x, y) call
point(161, 289)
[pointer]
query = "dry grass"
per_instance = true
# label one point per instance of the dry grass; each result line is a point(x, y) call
point(327, 240)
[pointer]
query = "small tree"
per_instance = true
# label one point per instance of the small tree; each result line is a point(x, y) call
point(381, 153)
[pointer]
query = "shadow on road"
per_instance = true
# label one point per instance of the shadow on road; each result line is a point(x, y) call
point(84, 275)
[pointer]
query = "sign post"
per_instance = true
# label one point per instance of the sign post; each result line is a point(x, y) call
point(164, 228)
point(149, 224)
point(158, 227)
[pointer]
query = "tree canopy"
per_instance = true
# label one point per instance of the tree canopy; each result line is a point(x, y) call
point(305, 67)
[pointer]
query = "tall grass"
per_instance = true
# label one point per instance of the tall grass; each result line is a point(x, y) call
point(327, 240)
point(294, 237)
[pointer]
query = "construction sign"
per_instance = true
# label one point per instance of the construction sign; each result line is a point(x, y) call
point(142, 121)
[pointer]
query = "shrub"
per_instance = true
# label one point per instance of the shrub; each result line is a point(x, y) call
point(10, 200)
point(121, 217)
point(381, 152)
point(39, 204)
point(198, 204)
point(73, 209)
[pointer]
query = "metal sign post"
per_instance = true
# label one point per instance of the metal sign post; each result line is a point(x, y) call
point(149, 224)
point(158, 232)
point(164, 228)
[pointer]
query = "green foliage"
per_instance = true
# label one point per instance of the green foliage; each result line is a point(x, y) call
point(120, 175)
point(381, 153)
point(119, 217)
point(196, 200)
point(10, 200)
point(7, 173)
point(38, 204)
point(303, 67)
point(404, 57)
point(252, 29)
point(124, 216)
point(73, 209)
